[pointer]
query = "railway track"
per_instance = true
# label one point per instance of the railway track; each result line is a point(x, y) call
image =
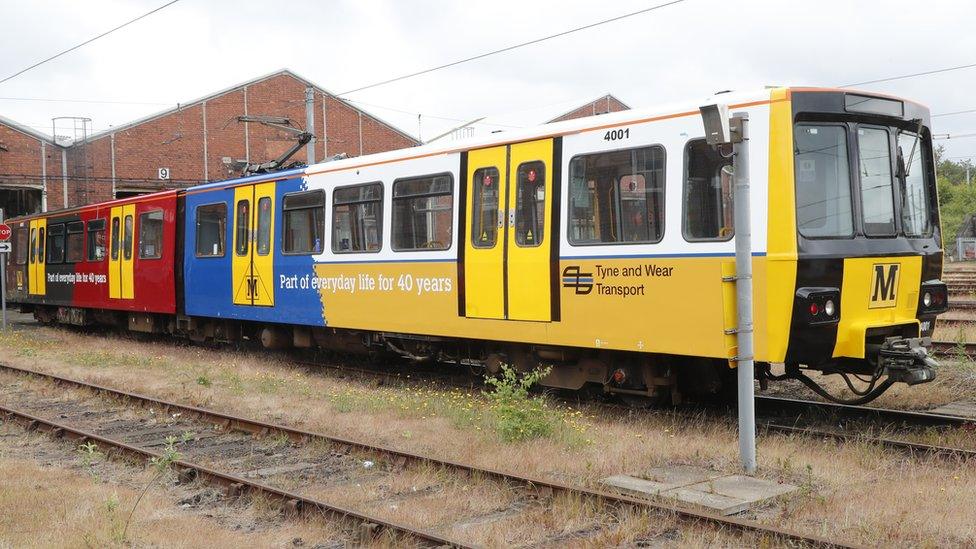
point(533, 492)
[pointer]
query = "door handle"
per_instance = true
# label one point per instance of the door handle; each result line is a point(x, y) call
point(511, 219)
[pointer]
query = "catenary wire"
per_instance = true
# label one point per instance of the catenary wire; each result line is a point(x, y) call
point(89, 41)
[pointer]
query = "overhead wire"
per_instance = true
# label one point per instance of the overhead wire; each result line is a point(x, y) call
point(510, 48)
point(89, 41)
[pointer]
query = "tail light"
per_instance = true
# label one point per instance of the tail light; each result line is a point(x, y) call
point(933, 298)
point(818, 305)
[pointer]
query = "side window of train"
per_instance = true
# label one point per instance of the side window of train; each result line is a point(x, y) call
point(617, 197)
point(22, 244)
point(242, 228)
point(357, 218)
point(115, 238)
point(423, 213)
point(96, 240)
point(484, 196)
point(530, 204)
point(151, 235)
point(707, 200)
point(55, 243)
point(127, 239)
point(75, 242)
point(211, 227)
point(303, 229)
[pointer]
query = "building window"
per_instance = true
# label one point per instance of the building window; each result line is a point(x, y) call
point(96, 240)
point(22, 243)
point(303, 222)
point(75, 242)
point(707, 194)
point(211, 230)
point(55, 243)
point(357, 214)
point(423, 210)
point(151, 235)
point(484, 208)
point(242, 228)
point(115, 238)
point(617, 197)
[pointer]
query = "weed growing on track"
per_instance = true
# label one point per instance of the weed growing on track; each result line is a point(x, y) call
point(89, 455)
point(161, 464)
point(518, 416)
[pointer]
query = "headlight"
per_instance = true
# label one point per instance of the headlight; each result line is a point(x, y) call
point(927, 299)
point(829, 307)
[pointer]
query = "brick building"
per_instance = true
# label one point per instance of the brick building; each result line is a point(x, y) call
point(195, 142)
point(602, 105)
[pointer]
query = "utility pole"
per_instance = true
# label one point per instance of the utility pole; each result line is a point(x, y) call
point(720, 130)
point(310, 124)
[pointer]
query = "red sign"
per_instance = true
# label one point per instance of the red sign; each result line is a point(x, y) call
point(4, 232)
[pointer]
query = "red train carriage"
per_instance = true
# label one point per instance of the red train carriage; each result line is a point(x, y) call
point(97, 262)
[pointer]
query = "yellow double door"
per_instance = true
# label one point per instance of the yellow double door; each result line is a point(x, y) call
point(253, 253)
point(507, 255)
point(121, 251)
point(36, 271)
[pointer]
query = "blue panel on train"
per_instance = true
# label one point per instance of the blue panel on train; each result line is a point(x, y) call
point(233, 260)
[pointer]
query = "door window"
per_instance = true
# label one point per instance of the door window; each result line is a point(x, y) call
point(115, 238)
point(242, 227)
point(484, 222)
point(530, 204)
point(264, 225)
point(127, 243)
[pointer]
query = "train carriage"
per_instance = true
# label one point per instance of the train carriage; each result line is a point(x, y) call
point(106, 262)
point(602, 246)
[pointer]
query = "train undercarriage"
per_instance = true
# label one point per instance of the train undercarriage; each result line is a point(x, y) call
point(639, 378)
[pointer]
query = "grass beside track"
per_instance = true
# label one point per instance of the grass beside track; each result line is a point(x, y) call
point(853, 492)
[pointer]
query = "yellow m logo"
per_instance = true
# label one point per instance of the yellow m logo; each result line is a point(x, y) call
point(884, 285)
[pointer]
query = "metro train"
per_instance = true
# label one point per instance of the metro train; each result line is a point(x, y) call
point(600, 246)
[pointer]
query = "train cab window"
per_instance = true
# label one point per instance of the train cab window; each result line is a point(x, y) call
point(74, 247)
point(423, 213)
point(211, 226)
point(151, 235)
point(357, 215)
point(127, 238)
point(823, 181)
point(55, 243)
point(21, 243)
point(96, 240)
point(484, 208)
point(303, 222)
point(242, 228)
point(915, 193)
point(530, 204)
point(617, 197)
point(707, 194)
point(263, 239)
point(877, 201)
point(116, 238)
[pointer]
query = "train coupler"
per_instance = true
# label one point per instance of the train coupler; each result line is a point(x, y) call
point(907, 360)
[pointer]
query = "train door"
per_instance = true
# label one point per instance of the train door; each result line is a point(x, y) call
point(121, 273)
point(253, 259)
point(507, 259)
point(36, 275)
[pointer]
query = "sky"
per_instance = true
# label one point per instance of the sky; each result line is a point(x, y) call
point(680, 53)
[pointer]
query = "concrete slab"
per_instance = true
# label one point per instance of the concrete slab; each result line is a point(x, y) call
point(962, 408)
point(699, 487)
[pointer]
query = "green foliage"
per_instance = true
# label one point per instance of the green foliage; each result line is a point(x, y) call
point(204, 380)
point(161, 464)
point(89, 455)
point(956, 198)
point(518, 416)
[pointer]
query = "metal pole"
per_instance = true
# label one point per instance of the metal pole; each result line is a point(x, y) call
point(967, 172)
point(310, 124)
point(743, 287)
